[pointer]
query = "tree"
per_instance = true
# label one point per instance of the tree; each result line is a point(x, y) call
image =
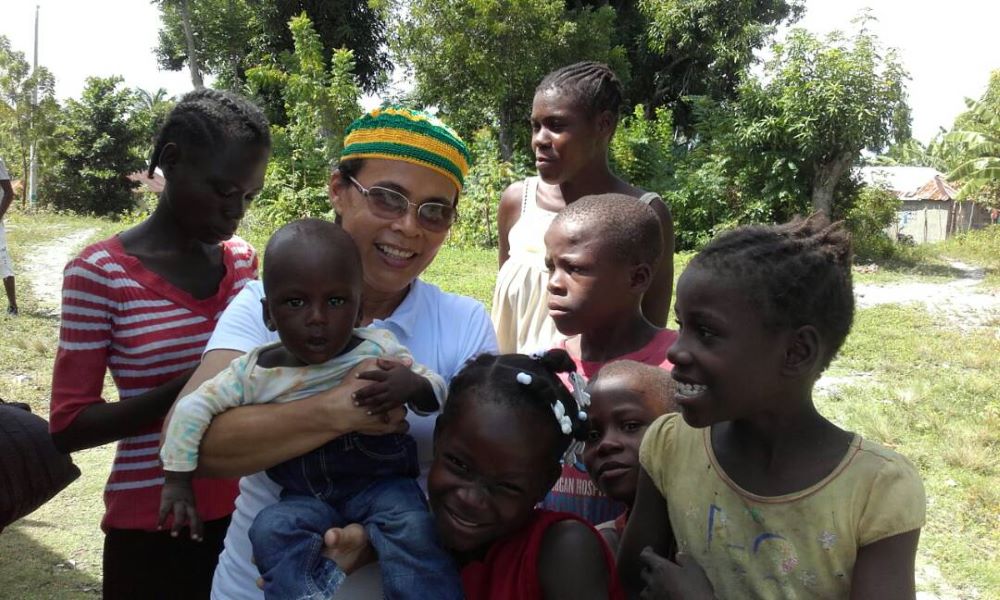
point(802, 126)
point(149, 113)
point(180, 11)
point(23, 122)
point(682, 48)
point(479, 61)
point(320, 104)
point(230, 36)
point(98, 150)
point(974, 146)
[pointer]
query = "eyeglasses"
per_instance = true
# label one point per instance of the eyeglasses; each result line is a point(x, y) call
point(390, 204)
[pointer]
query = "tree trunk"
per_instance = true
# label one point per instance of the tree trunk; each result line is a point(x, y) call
point(193, 65)
point(825, 182)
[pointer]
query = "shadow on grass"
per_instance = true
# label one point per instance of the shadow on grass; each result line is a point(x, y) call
point(29, 570)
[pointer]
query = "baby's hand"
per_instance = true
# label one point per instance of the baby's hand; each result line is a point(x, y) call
point(394, 385)
point(177, 497)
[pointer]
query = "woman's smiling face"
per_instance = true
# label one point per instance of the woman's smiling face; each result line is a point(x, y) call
point(489, 472)
point(394, 252)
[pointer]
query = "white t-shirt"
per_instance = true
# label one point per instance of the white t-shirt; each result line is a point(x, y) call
point(441, 330)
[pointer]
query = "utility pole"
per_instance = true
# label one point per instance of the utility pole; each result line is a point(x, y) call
point(33, 170)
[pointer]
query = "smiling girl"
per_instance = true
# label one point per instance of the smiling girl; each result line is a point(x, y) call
point(765, 497)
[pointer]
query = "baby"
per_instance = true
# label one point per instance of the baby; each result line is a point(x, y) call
point(312, 285)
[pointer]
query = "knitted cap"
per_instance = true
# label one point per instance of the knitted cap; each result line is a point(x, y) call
point(398, 133)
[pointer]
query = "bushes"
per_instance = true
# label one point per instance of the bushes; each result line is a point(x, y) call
point(867, 216)
point(487, 179)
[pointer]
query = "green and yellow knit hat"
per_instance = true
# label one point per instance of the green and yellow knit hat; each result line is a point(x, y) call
point(398, 133)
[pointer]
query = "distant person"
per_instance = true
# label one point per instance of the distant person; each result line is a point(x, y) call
point(6, 265)
point(601, 253)
point(573, 118)
point(312, 298)
point(763, 495)
point(142, 304)
point(625, 397)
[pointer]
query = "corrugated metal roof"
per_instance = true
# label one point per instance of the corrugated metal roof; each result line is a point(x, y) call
point(154, 184)
point(911, 183)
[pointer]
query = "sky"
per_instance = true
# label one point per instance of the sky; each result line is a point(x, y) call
point(948, 47)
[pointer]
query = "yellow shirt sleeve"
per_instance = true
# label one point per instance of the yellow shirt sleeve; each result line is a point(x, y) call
point(657, 449)
point(896, 502)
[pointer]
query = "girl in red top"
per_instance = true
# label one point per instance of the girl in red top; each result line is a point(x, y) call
point(497, 445)
point(142, 305)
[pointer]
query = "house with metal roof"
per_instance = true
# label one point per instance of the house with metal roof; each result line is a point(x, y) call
point(931, 210)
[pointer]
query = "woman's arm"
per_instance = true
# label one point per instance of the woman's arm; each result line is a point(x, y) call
point(884, 569)
point(656, 302)
point(105, 422)
point(648, 525)
point(249, 439)
point(507, 215)
point(571, 563)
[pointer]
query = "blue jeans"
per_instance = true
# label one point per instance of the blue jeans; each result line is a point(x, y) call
point(354, 479)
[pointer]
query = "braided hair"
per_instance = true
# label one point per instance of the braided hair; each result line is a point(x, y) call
point(523, 382)
point(799, 273)
point(592, 84)
point(207, 119)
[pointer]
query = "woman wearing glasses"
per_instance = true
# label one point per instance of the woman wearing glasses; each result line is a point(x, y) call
point(395, 192)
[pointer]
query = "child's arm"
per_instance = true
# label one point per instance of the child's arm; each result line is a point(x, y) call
point(571, 563)
point(507, 215)
point(79, 417)
point(656, 301)
point(648, 526)
point(884, 569)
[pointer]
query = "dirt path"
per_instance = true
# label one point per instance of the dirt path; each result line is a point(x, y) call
point(43, 267)
point(960, 301)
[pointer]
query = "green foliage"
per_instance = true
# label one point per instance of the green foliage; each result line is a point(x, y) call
point(642, 149)
point(149, 114)
point(480, 60)
point(231, 36)
point(688, 48)
point(98, 150)
point(487, 179)
point(793, 135)
point(320, 104)
point(974, 146)
point(868, 216)
point(21, 123)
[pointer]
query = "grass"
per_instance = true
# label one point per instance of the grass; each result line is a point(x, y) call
point(929, 392)
point(930, 262)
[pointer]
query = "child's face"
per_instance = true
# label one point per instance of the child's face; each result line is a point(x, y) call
point(314, 303)
point(564, 137)
point(727, 364)
point(618, 415)
point(210, 193)
point(486, 477)
point(587, 286)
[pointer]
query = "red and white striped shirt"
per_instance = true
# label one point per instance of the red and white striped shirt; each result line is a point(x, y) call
point(118, 315)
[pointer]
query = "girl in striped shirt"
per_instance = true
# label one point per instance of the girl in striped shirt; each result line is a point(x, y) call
point(142, 304)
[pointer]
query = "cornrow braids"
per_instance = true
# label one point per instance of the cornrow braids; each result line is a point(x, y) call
point(521, 381)
point(594, 85)
point(207, 119)
point(798, 272)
